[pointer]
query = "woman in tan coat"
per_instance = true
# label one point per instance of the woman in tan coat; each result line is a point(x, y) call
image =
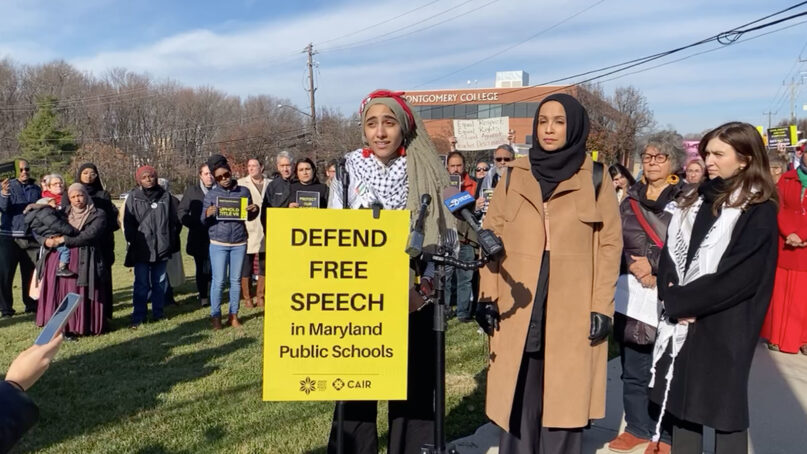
point(553, 290)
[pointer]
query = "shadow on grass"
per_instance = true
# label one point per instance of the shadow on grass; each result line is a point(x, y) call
point(469, 414)
point(105, 387)
point(19, 317)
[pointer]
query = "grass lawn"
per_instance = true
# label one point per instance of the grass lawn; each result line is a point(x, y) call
point(177, 387)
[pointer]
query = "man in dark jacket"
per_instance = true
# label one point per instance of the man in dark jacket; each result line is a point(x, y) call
point(190, 212)
point(17, 246)
point(278, 193)
point(151, 227)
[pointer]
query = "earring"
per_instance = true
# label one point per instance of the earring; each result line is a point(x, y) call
point(402, 151)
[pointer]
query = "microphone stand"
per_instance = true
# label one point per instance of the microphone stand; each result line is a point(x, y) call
point(441, 259)
point(340, 405)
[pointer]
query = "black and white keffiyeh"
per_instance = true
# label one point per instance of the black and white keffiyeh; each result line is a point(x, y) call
point(706, 259)
point(371, 181)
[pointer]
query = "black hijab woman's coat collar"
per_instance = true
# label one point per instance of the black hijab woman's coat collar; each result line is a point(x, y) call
point(550, 168)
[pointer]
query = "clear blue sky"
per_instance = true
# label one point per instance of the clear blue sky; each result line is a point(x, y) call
point(254, 47)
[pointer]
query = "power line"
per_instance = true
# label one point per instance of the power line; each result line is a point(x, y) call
point(377, 24)
point(725, 38)
point(385, 37)
point(513, 46)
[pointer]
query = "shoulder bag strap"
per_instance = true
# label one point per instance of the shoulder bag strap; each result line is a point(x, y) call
point(637, 210)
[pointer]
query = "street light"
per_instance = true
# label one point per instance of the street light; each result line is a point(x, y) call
point(310, 116)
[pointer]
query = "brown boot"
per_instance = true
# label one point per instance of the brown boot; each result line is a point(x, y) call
point(246, 298)
point(234, 321)
point(259, 290)
point(216, 322)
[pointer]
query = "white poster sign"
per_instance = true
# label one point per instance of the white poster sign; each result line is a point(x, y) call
point(482, 134)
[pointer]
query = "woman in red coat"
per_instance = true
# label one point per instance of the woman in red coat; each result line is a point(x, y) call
point(786, 322)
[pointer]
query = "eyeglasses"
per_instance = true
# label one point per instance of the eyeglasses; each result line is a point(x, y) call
point(223, 176)
point(25, 169)
point(482, 169)
point(659, 158)
point(500, 159)
point(91, 174)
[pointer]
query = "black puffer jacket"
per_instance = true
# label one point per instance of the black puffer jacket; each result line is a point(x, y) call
point(636, 242)
point(151, 228)
point(46, 221)
point(634, 239)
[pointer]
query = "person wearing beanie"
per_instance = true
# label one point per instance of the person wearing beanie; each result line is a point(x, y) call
point(89, 176)
point(398, 164)
point(198, 244)
point(228, 239)
point(151, 228)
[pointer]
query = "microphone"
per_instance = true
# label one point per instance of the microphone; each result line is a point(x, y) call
point(415, 244)
point(459, 203)
point(343, 177)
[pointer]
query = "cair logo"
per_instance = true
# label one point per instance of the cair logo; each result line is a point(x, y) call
point(339, 384)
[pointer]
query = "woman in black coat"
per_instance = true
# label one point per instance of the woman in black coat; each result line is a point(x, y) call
point(715, 281)
point(198, 244)
point(89, 176)
point(305, 179)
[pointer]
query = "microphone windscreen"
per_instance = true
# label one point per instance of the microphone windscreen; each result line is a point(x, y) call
point(456, 201)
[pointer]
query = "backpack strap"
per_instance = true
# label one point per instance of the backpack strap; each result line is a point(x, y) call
point(596, 176)
point(507, 179)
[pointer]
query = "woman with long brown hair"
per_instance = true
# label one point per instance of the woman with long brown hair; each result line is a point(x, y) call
point(715, 280)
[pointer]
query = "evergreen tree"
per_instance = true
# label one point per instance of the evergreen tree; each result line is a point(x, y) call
point(47, 146)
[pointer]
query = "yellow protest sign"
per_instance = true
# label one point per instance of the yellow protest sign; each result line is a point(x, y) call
point(337, 305)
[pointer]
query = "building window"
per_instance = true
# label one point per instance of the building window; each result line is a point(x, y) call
point(509, 110)
point(484, 111)
point(521, 110)
point(532, 107)
point(459, 111)
point(471, 111)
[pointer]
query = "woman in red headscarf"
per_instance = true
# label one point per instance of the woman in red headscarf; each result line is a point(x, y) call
point(397, 165)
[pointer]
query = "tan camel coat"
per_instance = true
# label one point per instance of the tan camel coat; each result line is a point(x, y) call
point(585, 247)
point(255, 243)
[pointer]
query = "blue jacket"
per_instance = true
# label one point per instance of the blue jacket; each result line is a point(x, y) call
point(12, 219)
point(232, 232)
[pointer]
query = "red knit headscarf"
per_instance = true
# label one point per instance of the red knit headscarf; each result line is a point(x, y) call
point(142, 169)
point(399, 107)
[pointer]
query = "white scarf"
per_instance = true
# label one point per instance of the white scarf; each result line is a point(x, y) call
point(705, 261)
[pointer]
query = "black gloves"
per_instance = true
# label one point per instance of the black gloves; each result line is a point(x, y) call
point(600, 327)
point(487, 316)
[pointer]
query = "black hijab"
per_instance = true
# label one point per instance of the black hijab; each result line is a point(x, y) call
point(95, 187)
point(550, 168)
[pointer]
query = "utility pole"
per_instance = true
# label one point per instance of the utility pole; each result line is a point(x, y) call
point(792, 86)
point(769, 117)
point(309, 49)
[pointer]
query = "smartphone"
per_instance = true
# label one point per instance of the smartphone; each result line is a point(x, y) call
point(59, 318)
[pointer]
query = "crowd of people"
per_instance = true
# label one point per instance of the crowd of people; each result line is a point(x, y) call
point(674, 262)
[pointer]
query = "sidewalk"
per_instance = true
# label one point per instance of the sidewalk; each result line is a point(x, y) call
point(778, 405)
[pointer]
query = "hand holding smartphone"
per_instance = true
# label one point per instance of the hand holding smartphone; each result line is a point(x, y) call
point(59, 318)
